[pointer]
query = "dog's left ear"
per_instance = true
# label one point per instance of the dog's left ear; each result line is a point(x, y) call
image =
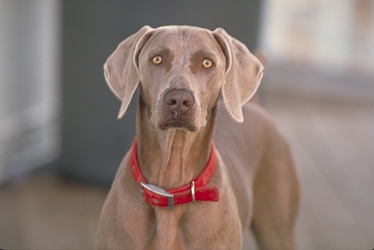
point(121, 67)
point(243, 74)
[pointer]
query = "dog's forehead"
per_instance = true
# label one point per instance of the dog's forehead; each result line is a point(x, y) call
point(186, 32)
point(187, 36)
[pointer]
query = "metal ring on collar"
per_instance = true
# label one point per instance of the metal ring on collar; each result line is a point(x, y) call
point(193, 191)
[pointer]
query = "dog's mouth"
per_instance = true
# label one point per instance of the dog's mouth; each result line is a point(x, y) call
point(178, 124)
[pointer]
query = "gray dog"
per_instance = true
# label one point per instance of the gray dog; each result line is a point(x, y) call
point(176, 189)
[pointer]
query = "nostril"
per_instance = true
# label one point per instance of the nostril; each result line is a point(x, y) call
point(171, 102)
point(187, 103)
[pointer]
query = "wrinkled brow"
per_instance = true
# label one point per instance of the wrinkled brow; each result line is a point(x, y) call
point(164, 51)
point(204, 53)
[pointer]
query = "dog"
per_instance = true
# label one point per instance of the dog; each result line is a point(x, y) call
point(202, 169)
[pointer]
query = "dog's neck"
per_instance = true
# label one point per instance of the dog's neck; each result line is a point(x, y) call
point(172, 158)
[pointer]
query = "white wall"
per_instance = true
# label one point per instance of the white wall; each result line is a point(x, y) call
point(29, 85)
point(334, 35)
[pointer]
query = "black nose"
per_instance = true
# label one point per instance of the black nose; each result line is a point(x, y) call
point(179, 101)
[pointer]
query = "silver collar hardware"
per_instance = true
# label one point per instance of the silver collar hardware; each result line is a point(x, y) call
point(193, 191)
point(160, 191)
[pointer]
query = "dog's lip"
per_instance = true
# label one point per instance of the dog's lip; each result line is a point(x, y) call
point(179, 124)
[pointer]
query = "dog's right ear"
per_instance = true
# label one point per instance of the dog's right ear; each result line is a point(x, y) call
point(243, 74)
point(121, 67)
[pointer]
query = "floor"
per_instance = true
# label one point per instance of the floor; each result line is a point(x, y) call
point(333, 143)
point(43, 211)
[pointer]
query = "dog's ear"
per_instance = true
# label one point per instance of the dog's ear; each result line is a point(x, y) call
point(243, 74)
point(121, 67)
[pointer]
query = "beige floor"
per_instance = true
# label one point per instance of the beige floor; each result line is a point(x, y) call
point(333, 144)
point(45, 212)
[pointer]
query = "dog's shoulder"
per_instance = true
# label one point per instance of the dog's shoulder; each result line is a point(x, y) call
point(256, 119)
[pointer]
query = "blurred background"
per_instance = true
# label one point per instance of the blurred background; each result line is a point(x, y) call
point(60, 142)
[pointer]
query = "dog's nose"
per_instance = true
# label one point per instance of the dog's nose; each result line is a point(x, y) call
point(179, 101)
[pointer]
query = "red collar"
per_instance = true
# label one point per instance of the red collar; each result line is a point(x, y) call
point(196, 190)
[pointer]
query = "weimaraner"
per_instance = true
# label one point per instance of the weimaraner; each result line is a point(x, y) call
point(176, 189)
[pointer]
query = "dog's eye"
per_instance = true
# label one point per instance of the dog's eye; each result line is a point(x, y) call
point(157, 59)
point(207, 63)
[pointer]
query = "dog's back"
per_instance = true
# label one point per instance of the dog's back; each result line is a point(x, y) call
point(261, 169)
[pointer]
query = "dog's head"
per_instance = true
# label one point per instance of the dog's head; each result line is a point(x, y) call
point(181, 71)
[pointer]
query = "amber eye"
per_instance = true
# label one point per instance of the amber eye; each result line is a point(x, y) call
point(207, 63)
point(157, 59)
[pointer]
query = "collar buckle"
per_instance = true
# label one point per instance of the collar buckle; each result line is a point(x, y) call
point(159, 191)
point(196, 190)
